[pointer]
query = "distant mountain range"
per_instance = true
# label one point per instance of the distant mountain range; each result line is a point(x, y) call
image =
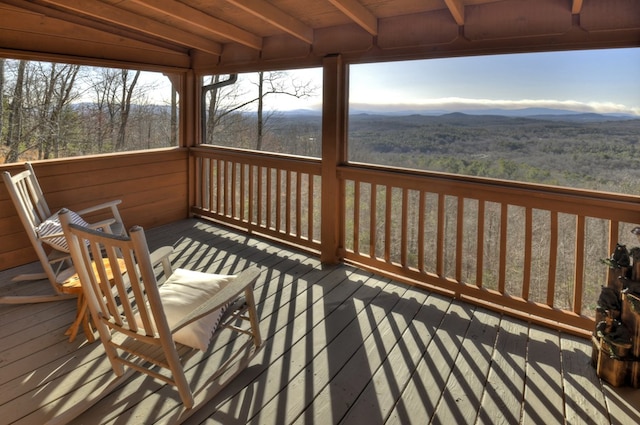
point(547, 114)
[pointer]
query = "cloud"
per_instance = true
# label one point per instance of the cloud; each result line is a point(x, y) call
point(457, 104)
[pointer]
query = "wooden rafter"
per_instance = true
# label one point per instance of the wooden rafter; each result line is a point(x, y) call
point(196, 18)
point(132, 21)
point(358, 14)
point(238, 35)
point(276, 17)
point(457, 10)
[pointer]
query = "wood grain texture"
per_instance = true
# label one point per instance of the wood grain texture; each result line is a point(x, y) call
point(140, 180)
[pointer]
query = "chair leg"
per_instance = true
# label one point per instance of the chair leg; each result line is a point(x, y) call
point(82, 318)
point(86, 324)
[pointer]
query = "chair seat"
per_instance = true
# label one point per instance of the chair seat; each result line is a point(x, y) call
point(70, 281)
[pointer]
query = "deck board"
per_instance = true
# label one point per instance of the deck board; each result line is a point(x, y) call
point(418, 401)
point(357, 372)
point(377, 400)
point(505, 384)
point(342, 345)
point(584, 399)
point(543, 390)
point(462, 397)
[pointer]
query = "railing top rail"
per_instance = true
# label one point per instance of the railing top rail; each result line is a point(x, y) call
point(560, 199)
point(256, 157)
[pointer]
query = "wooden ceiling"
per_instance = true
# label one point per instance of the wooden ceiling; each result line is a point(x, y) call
point(242, 35)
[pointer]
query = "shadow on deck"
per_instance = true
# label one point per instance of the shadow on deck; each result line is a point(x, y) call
point(341, 346)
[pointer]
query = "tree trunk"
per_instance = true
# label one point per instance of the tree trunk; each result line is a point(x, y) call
point(65, 83)
point(127, 92)
point(260, 108)
point(45, 119)
point(15, 116)
point(212, 116)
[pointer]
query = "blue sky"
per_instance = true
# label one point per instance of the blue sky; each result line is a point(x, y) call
point(587, 81)
point(604, 81)
point(596, 80)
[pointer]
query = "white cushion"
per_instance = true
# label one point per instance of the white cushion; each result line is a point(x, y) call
point(184, 291)
point(51, 226)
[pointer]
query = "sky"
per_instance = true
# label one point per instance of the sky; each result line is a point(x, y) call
point(589, 81)
point(601, 81)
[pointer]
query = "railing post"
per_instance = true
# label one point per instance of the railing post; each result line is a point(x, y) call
point(334, 152)
point(190, 125)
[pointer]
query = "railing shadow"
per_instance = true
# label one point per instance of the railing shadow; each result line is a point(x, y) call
point(350, 332)
point(345, 346)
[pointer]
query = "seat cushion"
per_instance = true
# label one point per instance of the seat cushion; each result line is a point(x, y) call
point(51, 226)
point(182, 293)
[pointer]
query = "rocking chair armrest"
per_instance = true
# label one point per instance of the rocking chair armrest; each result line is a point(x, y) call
point(103, 224)
point(161, 256)
point(244, 280)
point(111, 204)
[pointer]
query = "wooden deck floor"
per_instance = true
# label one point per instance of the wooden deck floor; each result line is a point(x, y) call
point(343, 346)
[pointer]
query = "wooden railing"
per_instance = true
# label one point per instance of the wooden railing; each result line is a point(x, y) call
point(529, 250)
point(274, 195)
point(533, 251)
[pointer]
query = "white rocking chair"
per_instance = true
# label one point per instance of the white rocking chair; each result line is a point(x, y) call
point(46, 236)
point(153, 328)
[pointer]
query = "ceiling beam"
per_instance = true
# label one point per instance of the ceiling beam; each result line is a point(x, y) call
point(576, 7)
point(135, 22)
point(195, 18)
point(276, 17)
point(457, 10)
point(358, 14)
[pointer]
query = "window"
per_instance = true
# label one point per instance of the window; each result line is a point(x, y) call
point(276, 111)
point(561, 118)
point(55, 110)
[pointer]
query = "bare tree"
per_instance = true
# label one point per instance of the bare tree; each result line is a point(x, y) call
point(226, 106)
point(114, 91)
point(39, 110)
point(14, 124)
point(51, 110)
point(277, 83)
point(103, 105)
point(127, 87)
point(58, 92)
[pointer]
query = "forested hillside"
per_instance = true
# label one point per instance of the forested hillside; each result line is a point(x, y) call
point(598, 155)
point(585, 151)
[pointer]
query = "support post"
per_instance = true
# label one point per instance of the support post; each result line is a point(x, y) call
point(335, 101)
point(190, 127)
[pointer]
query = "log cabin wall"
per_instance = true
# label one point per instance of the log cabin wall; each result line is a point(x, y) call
point(151, 184)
